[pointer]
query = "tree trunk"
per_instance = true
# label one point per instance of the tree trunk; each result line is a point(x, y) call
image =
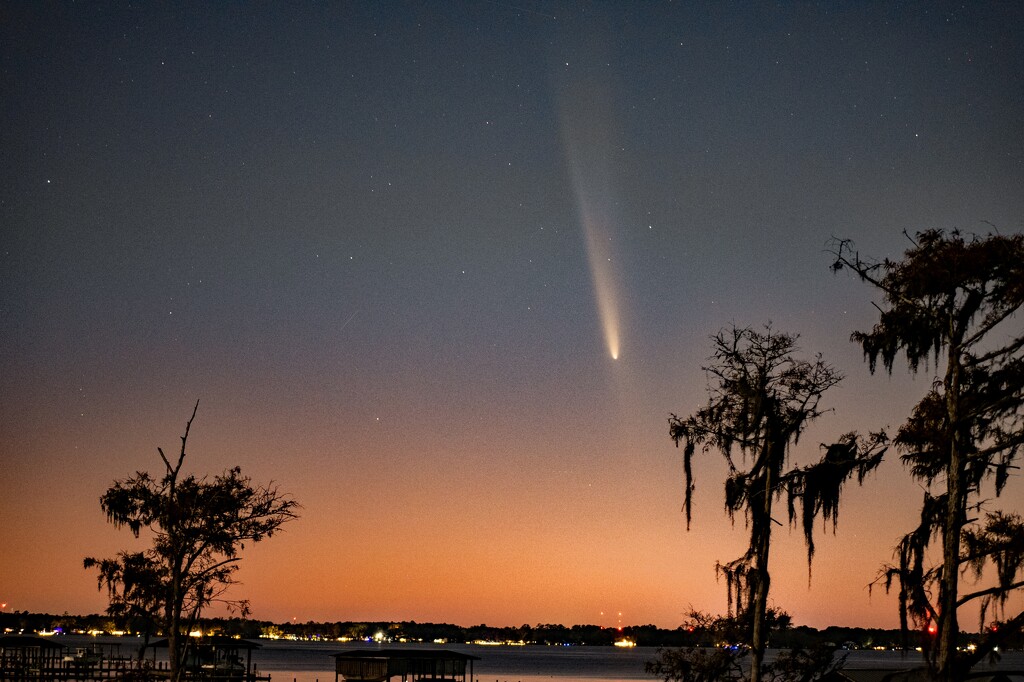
point(760, 635)
point(173, 639)
point(174, 648)
point(762, 580)
point(945, 657)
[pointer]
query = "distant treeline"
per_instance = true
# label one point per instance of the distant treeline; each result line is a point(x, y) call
point(544, 634)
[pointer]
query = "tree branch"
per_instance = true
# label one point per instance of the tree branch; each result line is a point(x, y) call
point(991, 590)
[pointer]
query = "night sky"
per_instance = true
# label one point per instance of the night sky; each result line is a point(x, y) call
point(443, 270)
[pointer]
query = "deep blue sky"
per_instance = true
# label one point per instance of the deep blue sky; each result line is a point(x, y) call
point(372, 238)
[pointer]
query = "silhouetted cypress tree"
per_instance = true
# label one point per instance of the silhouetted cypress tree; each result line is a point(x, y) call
point(950, 302)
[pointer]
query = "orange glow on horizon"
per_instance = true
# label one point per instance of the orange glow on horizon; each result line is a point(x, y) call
point(404, 521)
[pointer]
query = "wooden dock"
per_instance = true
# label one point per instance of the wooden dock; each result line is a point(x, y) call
point(26, 658)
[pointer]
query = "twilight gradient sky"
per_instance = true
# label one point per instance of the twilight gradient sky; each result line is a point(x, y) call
point(393, 248)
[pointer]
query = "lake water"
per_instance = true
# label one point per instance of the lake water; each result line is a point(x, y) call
point(289, 661)
point(298, 661)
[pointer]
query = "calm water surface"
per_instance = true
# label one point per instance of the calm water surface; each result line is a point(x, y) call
point(287, 661)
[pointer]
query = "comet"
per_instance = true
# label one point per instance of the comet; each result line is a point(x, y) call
point(603, 275)
point(587, 137)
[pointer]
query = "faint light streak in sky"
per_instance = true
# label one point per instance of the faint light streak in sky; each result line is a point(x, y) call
point(599, 257)
point(587, 138)
point(345, 323)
